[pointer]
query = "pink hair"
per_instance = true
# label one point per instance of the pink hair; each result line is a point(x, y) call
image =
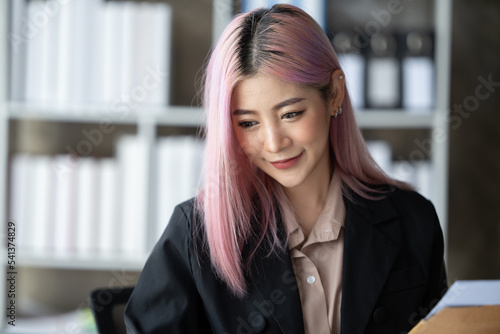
point(285, 42)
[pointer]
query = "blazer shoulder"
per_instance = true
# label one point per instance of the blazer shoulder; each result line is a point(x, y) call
point(417, 212)
point(183, 220)
point(183, 231)
point(389, 202)
point(411, 202)
point(166, 297)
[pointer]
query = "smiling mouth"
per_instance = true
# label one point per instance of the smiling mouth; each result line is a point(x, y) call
point(286, 163)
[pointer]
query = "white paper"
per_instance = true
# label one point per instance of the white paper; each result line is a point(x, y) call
point(19, 36)
point(133, 159)
point(50, 85)
point(97, 67)
point(169, 180)
point(179, 162)
point(153, 35)
point(80, 51)
point(113, 47)
point(469, 293)
point(424, 179)
point(404, 171)
point(353, 66)
point(249, 5)
point(21, 183)
point(130, 47)
point(88, 199)
point(315, 8)
point(418, 83)
point(383, 82)
point(65, 17)
point(382, 154)
point(37, 65)
point(65, 168)
point(107, 222)
point(40, 206)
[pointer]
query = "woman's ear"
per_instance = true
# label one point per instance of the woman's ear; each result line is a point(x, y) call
point(337, 91)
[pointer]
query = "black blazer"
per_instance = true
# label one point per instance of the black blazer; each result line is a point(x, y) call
point(393, 274)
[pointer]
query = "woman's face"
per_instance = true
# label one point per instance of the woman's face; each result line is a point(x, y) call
point(283, 129)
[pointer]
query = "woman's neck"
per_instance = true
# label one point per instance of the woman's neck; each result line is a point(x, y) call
point(309, 198)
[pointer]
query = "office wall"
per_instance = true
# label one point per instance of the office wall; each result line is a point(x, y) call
point(474, 173)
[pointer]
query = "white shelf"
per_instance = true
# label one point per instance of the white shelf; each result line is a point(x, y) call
point(82, 261)
point(398, 118)
point(170, 116)
point(194, 117)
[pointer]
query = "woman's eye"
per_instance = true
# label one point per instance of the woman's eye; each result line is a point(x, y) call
point(246, 124)
point(291, 115)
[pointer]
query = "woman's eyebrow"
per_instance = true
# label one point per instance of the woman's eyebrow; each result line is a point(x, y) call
point(239, 112)
point(287, 102)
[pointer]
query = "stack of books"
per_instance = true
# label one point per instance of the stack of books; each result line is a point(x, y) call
point(315, 8)
point(388, 70)
point(67, 205)
point(418, 173)
point(89, 52)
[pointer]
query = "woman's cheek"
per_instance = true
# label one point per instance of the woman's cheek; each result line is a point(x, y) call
point(247, 147)
point(307, 133)
point(252, 144)
point(314, 130)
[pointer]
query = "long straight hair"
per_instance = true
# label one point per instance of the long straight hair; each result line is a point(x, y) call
point(238, 202)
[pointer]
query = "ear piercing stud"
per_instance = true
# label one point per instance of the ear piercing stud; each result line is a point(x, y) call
point(341, 77)
point(337, 112)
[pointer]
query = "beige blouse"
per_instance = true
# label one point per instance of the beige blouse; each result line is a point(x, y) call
point(317, 262)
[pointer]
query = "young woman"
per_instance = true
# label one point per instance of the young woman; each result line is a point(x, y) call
point(296, 229)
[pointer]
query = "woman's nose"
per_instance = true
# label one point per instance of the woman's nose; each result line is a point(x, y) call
point(275, 140)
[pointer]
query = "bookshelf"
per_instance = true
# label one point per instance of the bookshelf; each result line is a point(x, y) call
point(366, 19)
point(4, 147)
point(148, 121)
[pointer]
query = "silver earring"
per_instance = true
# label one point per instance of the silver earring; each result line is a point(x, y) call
point(341, 77)
point(340, 110)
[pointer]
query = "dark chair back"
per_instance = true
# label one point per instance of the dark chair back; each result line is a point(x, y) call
point(108, 308)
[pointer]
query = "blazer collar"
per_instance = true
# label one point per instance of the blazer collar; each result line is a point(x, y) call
point(275, 282)
point(369, 254)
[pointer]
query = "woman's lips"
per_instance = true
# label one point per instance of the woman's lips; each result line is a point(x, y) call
point(287, 163)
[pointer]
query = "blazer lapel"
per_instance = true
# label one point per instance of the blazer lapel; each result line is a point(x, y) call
point(274, 280)
point(368, 258)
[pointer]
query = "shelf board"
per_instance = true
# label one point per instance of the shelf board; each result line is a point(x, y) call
point(169, 116)
point(194, 117)
point(180, 116)
point(398, 118)
point(82, 262)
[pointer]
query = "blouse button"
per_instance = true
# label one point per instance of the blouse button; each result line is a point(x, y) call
point(311, 279)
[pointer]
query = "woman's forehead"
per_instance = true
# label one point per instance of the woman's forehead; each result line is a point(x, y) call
point(267, 85)
point(266, 92)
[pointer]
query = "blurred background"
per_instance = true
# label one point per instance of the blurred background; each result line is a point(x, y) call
point(100, 117)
